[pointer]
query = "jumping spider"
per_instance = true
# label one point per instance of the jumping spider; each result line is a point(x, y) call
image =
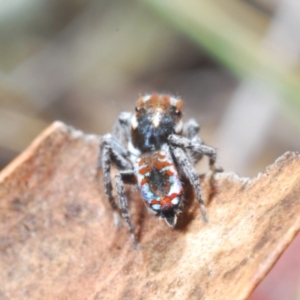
point(155, 150)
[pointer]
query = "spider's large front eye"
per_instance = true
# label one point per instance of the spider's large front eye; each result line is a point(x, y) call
point(178, 112)
point(139, 109)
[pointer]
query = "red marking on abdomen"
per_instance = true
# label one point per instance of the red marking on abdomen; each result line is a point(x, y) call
point(144, 170)
point(166, 201)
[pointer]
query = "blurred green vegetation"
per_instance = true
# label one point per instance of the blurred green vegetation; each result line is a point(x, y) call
point(234, 42)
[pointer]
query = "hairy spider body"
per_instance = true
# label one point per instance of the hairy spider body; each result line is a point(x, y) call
point(155, 150)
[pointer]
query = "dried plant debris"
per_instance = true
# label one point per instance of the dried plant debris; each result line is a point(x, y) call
point(58, 239)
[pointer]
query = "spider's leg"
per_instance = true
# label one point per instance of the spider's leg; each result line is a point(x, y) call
point(128, 177)
point(104, 163)
point(191, 130)
point(122, 127)
point(187, 169)
point(185, 143)
point(111, 151)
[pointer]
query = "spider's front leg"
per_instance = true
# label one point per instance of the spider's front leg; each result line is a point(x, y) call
point(196, 148)
point(187, 169)
point(191, 130)
point(120, 179)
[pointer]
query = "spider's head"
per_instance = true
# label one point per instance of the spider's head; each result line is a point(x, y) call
point(156, 117)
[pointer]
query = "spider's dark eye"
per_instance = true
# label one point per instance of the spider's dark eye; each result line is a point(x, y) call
point(175, 111)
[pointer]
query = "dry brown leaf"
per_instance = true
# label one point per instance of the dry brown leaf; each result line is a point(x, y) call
point(58, 241)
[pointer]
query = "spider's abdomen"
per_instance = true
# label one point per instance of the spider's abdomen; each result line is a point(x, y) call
point(159, 183)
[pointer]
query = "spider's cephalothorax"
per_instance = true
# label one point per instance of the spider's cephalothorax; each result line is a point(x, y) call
point(155, 150)
point(156, 118)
